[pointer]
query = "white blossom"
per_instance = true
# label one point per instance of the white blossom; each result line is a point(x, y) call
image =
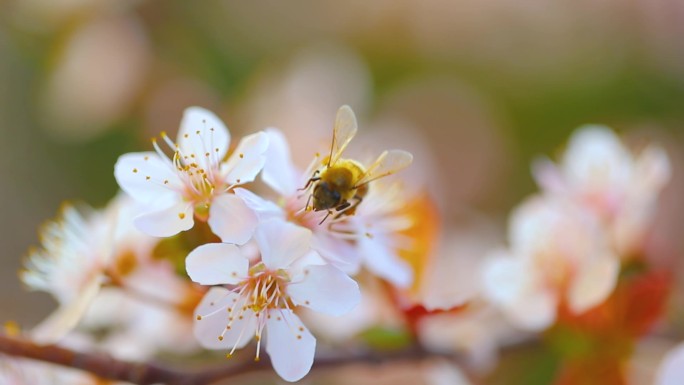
point(600, 173)
point(264, 296)
point(558, 254)
point(196, 181)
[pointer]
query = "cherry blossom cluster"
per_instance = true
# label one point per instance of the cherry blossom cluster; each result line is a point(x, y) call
point(219, 246)
point(567, 243)
point(259, 260)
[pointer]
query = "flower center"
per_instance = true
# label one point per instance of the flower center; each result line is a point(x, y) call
point(265, 289)
point(199, 172)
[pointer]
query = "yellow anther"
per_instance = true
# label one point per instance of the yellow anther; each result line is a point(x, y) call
point(12, 329)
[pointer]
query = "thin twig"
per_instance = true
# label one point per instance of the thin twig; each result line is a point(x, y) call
point(149, 373)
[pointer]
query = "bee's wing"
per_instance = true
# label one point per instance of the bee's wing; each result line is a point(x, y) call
point(387, 163)
point(344, 130)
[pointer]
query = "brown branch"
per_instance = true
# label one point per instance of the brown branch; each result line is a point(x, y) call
point(149, 373)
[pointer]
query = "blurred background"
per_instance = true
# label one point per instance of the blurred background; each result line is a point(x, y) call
point(475, 89)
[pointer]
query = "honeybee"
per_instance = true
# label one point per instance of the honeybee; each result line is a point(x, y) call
point(340, 184)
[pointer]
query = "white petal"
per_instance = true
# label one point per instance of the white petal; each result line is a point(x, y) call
point(290, 345)
point(166, 222)
point(596, 162)
point(325, 289)
point(671, 370)
point(247, 159)
point(202, 132)
point(142, 175)
point(215, 320)
point(593, 284)
point(504, 278)
point(281, 243)
point(383, 262)
point(67, 316)
point(337, 252)
point(279, 172)
point(535, 310)
point(263, 208)
point(216, 264)
point(231, 219)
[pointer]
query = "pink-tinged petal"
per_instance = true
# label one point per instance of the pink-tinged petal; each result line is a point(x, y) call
point(652, 172)
point(146, 177)
point(279, 172)
point(534, 310)
point(548, 176)
point(231, 219)
point(216, 264)
point(263, 208)
point(325, 289)
point(290, 345)
point(281, 243)
point(213, 326)
point(166, 222)
point(203, 134)
point(383, 262)
point(593, 284)
point(671, 370)
point(247, 159)
point(67, 316)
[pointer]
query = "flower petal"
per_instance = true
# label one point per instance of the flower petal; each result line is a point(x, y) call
point(381, 261)
point(281, 243)
point(146, 177)
point(214, 321)
point(279, 172)
point(593, 284)
point(67, 316)
point(503, 278)
point(671, 370)
point(247, 159)
point(290, 345)
point(535, 310)
point(231, 219)
point(166, 222)
point(596, 162)
point(216, 264)
point(337, 252)
point(263, 208)
point(325, 289)
point(548, 176)
point(202, 132)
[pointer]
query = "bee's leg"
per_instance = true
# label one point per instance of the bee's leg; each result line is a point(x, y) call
point(314, 178)
point(324, 218)
point(343, 206)
point(348, 208)
point(357, 201)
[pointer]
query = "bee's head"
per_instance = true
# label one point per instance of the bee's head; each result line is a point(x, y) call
point(325, 197)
